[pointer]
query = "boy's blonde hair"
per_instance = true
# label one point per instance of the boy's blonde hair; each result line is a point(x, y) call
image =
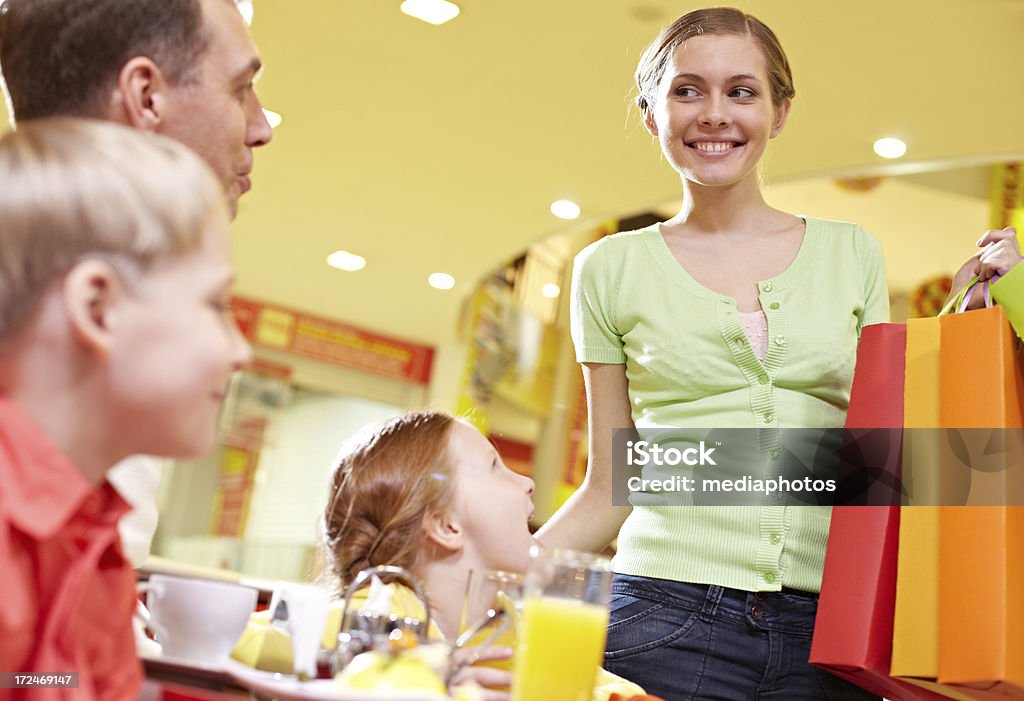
point(73, 189)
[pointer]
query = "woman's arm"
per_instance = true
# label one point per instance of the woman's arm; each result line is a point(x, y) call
point(997, 255)
point(589, 521)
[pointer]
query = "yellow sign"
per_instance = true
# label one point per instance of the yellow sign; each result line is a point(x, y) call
point(1006, 198)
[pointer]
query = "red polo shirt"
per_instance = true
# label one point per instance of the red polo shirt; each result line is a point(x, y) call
point(66, 592)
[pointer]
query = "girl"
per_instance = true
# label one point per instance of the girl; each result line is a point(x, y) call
point(429, 493)
point(731, 314)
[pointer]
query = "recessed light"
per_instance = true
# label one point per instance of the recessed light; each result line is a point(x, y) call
point(273, 118)
point(441, 281)
point(343, 260)
point(550, 290)
point(432, 11)
point(890, 147)
point(565, 209)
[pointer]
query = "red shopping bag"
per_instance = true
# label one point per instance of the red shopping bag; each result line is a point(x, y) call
point(853, 629)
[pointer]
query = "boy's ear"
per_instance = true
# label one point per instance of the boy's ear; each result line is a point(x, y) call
point(444, 531)
point(90, 292)
point(140, 95)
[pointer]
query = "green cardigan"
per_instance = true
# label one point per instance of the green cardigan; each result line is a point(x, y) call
point(689, 364)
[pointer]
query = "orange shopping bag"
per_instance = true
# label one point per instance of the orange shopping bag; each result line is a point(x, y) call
point(981, 548)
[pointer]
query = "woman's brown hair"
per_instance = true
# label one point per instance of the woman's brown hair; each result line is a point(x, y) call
point(384, 484)
point(712, 20)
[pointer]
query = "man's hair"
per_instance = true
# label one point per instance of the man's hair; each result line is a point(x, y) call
point(62, 57)
point(74, 189)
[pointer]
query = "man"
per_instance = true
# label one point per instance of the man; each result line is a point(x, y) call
point(183, 68)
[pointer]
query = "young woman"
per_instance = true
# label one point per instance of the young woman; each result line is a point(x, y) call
point(731, 314)
point(429, 493)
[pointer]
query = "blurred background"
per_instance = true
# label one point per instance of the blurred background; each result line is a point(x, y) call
point(421, 149)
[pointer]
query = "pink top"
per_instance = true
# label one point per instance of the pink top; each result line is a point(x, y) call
point(755, 324)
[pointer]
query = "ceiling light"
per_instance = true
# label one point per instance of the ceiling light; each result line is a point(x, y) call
point(890, 148)
point(442, 281)
point(343, 260)
point(565, 209)
point(550, 290)
point(433, 11)
point(273, 118)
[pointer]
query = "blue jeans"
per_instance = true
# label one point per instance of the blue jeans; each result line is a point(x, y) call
point(697, 641)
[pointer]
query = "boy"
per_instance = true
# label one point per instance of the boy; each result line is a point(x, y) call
point(115, 339)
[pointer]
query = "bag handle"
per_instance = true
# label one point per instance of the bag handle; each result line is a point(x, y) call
point(958, 304)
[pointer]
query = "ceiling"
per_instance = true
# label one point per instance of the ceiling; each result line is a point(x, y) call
point(430, 149)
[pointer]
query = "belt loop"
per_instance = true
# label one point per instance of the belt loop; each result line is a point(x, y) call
point(707, 613)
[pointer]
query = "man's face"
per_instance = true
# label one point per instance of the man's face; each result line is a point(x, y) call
point(218, 114)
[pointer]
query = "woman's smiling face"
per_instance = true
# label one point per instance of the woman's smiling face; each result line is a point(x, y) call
point(713, 113)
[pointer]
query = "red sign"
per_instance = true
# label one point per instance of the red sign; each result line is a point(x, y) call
point(332, 341)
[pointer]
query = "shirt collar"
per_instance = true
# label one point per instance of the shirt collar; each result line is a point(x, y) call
point(43, 489)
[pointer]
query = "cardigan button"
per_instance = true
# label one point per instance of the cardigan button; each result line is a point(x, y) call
point(780, 340)
point(767, 287)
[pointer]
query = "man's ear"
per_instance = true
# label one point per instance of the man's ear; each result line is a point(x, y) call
point(90, 292)
point(140, 95)
point(444, 530)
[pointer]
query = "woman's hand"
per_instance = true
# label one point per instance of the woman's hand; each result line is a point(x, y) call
point(999, 252)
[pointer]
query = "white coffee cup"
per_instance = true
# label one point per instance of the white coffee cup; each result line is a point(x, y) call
point(195, 619)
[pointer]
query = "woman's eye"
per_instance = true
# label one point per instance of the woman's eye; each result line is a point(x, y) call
point(686, 91)
point(742, 93)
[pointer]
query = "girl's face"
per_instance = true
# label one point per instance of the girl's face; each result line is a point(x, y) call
point(492, 502)
point(713, 112)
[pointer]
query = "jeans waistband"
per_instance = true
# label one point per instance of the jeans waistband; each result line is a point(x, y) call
point(790, 610)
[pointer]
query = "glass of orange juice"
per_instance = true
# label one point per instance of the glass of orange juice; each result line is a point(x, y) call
point(564, 620)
